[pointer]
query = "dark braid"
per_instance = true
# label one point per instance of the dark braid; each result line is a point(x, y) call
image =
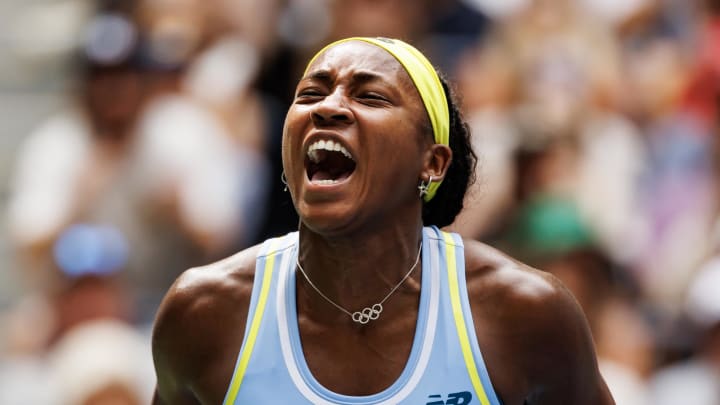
point(448, 201)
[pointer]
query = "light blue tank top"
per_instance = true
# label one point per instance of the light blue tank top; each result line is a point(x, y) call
point(445, 366)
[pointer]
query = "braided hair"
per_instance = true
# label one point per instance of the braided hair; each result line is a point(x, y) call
point(448, 201)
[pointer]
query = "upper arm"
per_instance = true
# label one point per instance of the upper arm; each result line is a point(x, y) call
point(198, 331)
point(562, 353)
point(174, 344)
point(535, 338)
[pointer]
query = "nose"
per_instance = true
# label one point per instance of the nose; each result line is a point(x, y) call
point(332, 110)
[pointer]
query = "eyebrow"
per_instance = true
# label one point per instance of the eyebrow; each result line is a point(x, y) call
point(325, 77)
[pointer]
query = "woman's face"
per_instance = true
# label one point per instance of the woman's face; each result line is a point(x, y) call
point(355, 140)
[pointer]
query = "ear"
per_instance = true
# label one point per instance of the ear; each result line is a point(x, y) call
point(437, 161)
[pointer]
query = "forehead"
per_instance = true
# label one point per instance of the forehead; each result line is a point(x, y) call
point(352, 56)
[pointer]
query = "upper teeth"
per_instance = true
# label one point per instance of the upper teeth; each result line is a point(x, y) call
point(326, 145)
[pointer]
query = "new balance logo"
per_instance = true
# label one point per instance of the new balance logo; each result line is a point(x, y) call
point(456, 398)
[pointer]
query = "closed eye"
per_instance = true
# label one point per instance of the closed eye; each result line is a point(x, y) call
point(372, 98)
point(308, 95)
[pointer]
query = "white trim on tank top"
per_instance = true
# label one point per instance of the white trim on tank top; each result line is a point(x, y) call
point(427, 343)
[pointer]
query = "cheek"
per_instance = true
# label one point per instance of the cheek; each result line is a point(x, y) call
point(400, 140)
point(290, 138)
point(398, 150)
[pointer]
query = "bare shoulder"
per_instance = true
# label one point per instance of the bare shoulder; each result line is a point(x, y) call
point(533, 333)
point(515, 300)
point(201, 291)
point(199, 287)
point(494, 275)
point(200, 324)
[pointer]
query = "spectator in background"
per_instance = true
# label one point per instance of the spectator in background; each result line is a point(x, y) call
point(533, 85)
point(209, 137)
point(202, 150)
point(393, 19)
point(80, 343)
point(696, 380)
point(487, 80)
point(168, 115)
point(78, 158)
point(565, 60)
point(550, 234)
point(677, 189)
point(83, 160)
point(101, 362)
point(701, 98)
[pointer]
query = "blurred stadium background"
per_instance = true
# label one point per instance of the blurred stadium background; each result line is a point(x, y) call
point(140, 138)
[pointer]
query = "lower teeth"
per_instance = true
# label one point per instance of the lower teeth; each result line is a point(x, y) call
point(325, 181)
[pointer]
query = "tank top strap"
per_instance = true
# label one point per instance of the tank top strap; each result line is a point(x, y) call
point(267, 266)
point(453, 254)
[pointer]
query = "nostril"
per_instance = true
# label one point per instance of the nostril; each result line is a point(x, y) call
point(328, 118)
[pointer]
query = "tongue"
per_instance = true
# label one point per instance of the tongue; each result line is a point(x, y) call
point(329, 175)
point(322, 175)
point(331, 166)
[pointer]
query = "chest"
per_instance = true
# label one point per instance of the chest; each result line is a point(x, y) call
point(358, 362)
point(417, 359)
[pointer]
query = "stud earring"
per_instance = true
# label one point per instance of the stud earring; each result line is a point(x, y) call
point(283, 179)
point(423, 187)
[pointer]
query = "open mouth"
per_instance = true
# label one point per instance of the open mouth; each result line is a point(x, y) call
point(328, 162)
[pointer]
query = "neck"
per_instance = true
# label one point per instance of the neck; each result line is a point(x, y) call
point(358, 271)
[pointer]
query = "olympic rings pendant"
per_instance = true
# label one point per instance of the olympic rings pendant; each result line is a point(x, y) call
point(367, 314)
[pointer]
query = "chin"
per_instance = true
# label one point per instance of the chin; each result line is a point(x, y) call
point(328, 221)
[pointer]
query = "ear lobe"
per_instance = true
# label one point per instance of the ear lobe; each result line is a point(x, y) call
point(437, 161)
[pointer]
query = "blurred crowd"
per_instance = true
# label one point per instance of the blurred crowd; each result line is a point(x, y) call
point(596, 124)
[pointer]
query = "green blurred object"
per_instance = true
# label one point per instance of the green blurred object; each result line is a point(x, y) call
point(548, 226)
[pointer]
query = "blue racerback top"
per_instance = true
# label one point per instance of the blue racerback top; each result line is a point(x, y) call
point(445, 366)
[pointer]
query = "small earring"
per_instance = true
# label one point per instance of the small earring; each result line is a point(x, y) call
point(283, 179)
point(423, 187)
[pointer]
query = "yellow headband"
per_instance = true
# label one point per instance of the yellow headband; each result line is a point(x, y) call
point(426, 81)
